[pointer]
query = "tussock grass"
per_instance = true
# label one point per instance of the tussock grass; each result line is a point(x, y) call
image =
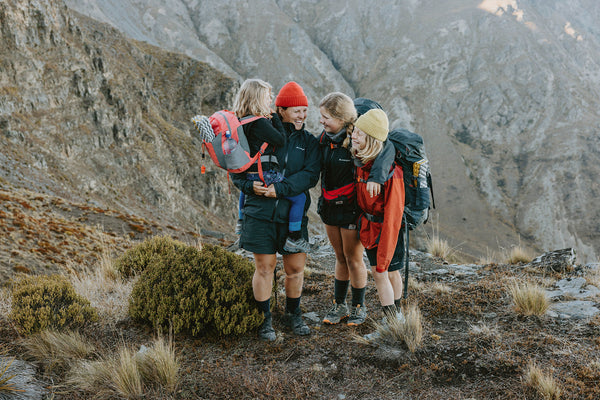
point(57, 350)
point(518, 255)
point(529, 298)
point(415, 285)
point(129, 373)
point(484, 331)
point(438, 247)
point(489, 258)
point(6, 386)
point(5, 302)
point(159, 364)
point(592, 276)
point(393, 331)
point(105, 290)
point(543, 383)
point(127, 378)
point(440, 288)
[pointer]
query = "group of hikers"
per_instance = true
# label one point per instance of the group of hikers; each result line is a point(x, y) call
point(360, 184)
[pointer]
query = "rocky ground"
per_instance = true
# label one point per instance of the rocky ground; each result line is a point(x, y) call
point(475, 346)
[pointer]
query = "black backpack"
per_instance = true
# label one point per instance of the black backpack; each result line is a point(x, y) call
point(410, 155)
point(418, 186)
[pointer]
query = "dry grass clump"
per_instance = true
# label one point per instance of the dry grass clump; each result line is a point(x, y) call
point(438, 247)
point(409, 331)
point(518, 255)
point(484, 332)
point(6, 386)
point(593, 275)
point(159, 364)
point(129, 374)
point(5, 302)
point(543, 383)
point(489, 258)
point(440, 288)
point(106, 292)
point(57, 350)
point(529, 298)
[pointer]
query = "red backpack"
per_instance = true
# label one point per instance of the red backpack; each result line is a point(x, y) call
point(222, 134)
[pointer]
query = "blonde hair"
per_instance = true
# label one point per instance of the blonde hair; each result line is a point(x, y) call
point(371, 150)
point(341, 107)
point(250, 98)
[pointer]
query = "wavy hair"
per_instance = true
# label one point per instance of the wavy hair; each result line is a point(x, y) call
point(250, 98)
point(340, 106)
point(371, 150)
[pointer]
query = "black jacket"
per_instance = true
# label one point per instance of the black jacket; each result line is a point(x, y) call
point(299, 160)
point(265, 130)
point(337, 173)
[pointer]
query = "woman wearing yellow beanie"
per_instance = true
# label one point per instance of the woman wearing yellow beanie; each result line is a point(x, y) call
point(381, 218)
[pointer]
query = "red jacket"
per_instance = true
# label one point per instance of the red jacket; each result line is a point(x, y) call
point(381, 228)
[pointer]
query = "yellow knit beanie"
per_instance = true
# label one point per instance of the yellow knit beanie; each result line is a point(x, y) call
point(374, 123)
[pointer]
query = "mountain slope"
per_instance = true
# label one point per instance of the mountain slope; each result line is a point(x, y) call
point(504, 92)
point(97, 121)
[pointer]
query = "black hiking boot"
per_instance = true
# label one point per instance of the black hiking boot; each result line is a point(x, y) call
point(294, 321)
point(266, 332)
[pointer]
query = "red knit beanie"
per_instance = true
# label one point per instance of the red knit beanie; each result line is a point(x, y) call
point(291, 95)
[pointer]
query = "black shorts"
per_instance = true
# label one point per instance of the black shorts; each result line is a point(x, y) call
point(266, 237)
point(396, 263)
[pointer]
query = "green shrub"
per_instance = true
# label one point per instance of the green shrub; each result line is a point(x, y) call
point(137, 259)
point(196, 291)
point(45, 302)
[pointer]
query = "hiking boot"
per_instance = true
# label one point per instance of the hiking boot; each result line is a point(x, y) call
point(266, 332)
point(357, 315)
point(294, 321)
point(296, 245)
point(337, 313)
point(238, 227)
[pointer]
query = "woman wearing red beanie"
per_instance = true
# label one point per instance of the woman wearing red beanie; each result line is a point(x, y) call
point(266, 213)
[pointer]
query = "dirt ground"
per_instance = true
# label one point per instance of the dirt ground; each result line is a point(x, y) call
point(475, 346)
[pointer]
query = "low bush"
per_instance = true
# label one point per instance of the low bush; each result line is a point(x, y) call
point(135, 260)
point(48, 302)
point(196, 290)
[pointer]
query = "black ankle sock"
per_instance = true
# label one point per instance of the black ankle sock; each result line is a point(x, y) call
point(292, 305)
point(358, 296)
point(295, 235)
point(264, 306)
point(397, 303)
point(389, 311)
point(340, 290)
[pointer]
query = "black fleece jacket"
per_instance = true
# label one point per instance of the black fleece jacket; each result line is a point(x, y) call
point(299, 160)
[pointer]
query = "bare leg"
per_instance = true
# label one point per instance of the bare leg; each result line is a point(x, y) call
point(262, 280)
point(385, 290)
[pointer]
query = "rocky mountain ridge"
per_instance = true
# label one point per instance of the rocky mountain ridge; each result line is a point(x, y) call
point(94, 126)
point(504, 93)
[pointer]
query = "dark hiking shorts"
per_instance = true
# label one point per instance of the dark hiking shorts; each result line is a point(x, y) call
point(266, 237)
point(396, 263)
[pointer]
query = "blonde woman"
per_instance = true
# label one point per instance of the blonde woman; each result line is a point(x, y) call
point(339, 211)
point(380, 220)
